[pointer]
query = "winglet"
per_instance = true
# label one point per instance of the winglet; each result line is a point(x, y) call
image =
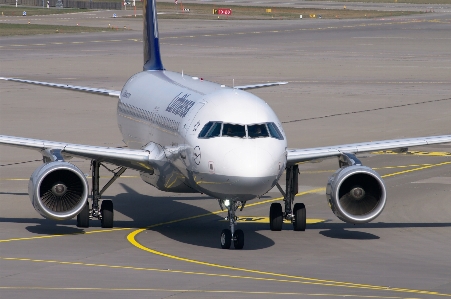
point(152, 58)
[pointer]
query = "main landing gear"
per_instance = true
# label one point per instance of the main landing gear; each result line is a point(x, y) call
point(297, 214)
point(231, 235)
point(104, 212)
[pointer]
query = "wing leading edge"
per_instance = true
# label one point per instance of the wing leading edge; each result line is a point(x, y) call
point(141, 160)
point(261, 85)
point(106, 92)
point(309, 154)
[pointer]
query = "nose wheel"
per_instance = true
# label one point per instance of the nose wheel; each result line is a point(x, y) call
point(229, 236)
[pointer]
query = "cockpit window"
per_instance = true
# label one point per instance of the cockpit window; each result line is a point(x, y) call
point(234, 130)
point(257, 131)
point(205, 129)
point(216, 129)
point(211, 129)
point(274, 131)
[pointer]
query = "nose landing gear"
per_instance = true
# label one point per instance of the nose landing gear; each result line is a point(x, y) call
point(231, 235)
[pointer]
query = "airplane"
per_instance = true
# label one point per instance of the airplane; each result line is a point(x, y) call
point(188, 135)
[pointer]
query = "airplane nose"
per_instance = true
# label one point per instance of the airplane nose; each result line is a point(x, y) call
point(252, 171)
point(249, 162)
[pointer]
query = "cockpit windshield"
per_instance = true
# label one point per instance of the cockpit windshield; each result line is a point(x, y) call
point(230, 130)
point(220, 129)
point(257, 131)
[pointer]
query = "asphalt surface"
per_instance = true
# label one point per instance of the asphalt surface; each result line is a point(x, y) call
point(350, 81)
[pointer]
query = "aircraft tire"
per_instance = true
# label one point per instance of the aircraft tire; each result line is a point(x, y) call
point(107, 214)
point(226, 238)
point(275, 217)
point(83, 217)
point(238, 241)
point(300, 219)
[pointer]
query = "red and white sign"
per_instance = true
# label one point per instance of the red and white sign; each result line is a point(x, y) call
point(222, 11)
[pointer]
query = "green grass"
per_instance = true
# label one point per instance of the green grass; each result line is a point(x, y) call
point(32, 29)
point(10, 10)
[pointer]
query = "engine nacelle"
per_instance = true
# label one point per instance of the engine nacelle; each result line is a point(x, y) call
point(58, 190)
point(356, 194)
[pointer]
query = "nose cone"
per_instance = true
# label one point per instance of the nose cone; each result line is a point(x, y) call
point(252, 163)
point(251, 172)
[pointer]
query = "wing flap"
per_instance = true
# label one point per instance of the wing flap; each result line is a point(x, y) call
point(309, 154)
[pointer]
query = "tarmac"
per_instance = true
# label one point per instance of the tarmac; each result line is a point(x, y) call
point(349, 81)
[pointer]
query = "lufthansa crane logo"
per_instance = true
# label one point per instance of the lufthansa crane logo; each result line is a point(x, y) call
point(197, 155)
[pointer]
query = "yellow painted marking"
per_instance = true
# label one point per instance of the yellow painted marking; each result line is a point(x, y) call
point(63, 235)
point(18, 45)
point(193, 291)
point(57, 43)
point(375, 168)
point(302, 279)
point(257, 219)
point(38, 44)
point(77, 42)
point(131, 239)
point(415, 153)
point(415, 169)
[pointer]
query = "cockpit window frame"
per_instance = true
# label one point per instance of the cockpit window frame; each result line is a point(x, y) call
point(272, 130)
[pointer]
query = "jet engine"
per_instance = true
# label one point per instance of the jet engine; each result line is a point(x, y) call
point(58, 190)
point(356, 194)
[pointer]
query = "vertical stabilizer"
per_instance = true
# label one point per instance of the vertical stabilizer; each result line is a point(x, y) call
point(152, 58)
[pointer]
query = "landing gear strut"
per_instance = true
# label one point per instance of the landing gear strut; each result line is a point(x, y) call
point(297, 214)
point(231, 235)
point(104, 212)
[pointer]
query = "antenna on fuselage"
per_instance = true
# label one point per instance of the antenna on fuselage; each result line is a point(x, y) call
point(152, 58)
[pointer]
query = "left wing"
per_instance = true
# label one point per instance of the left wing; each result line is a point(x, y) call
point(107, 92)
point(308, 154)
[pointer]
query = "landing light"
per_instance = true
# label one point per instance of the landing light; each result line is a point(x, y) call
point(227, 203)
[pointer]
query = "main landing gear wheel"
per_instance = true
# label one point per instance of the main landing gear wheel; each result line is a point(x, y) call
point(226, 238)
point(83, 217)
point(299, 213)
point(238, 239)
point(107, 214)
point(275, 217)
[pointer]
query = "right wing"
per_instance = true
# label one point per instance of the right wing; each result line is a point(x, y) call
point(107, 92)
point(142, 160)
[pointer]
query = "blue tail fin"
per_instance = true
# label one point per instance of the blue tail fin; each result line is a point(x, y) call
point(152, 59)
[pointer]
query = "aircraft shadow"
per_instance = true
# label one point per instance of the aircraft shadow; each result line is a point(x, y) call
point(145, 211)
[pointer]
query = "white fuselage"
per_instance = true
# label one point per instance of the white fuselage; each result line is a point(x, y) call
point(167, 110)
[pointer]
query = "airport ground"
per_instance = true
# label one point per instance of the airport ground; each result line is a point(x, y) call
point(349, 81)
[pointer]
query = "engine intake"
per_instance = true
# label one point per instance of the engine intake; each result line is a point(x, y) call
point(58, 190)
point(356, 194)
